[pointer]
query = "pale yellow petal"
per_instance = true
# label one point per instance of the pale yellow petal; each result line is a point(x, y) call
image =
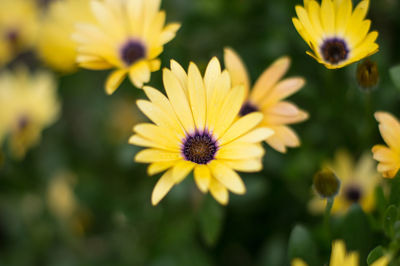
point(213, 72)
point(114, 80)
point(343, 16)
point(328, 16)
point(241, 127)
point(162, 187)
point(227, 177)
point(202, 176)
point(181, 75)
point(181, 170)
point(215, 98)
point(156, 155)
point(219, 192)
point(389, 127)
point(256, 135)
point(240, 151)
point(163, 137)
point(269, 78)
point(307, 25)
point(178, 100)
point(159, 167)
point(283, 137)
point(169, 32)
point(237, 69)
point(250, 166)
point(283, 89)
point(140, 73)
point(197, 96)
point(384, 154)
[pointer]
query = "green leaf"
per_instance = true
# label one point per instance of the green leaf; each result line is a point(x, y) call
point(389, 219)
point(395, 75)
point(302, 246)
point(375, 254)
point(210, 216)
point(395, 191)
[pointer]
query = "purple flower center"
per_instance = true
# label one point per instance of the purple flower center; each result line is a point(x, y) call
point(353, 193)
point(199, 148)
point(247, 108)
point(334, 50)
point(132, 51)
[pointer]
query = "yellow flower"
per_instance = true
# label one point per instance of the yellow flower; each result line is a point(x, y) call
point(388, 156)
point(337, 35)
point(268, 96)
point(18, 28)
point(340, 257)
point(28, 103)
point(55, 45)
point(129, 35)
point(358, 183)
point(197, 128)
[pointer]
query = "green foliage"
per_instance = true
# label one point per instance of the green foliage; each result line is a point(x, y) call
point(375, 254)
point(301, 245)
point(211, 217)
point(395, 75)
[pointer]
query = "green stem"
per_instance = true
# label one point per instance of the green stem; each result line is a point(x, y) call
point(328, 208)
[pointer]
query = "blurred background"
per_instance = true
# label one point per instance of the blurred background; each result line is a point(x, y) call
point(77, 197)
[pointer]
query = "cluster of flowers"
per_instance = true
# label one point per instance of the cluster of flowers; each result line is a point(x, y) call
point(212, 124)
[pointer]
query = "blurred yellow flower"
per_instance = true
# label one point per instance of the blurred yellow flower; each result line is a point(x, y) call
point(340, 257)
point(55, 44)
point(60, 196)
point(358, 183)
point(337, 35)
point(18, 28)
point(388, 156)
point(268, 96)
point(129, 35)
point(197, 128)
point(28, 103)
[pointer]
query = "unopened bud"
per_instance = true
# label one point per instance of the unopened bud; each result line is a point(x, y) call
point(367, 75)
point(326, 183)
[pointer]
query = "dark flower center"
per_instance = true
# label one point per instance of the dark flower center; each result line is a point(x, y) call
point(12, 37)
point(23, 122)
point(247, 108)
point(132, 51)
point(334, 50)
point(353, 193)
point(199, 148)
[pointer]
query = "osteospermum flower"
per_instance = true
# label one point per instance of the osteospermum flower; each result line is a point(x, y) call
point(129, 35)
point(336, 34)
point(340, 257)
point(28, 104)
point(388, 156)
point(358, 183)
point(18, 28)
point(267, 96)
point(196, 127)
point(55, 45)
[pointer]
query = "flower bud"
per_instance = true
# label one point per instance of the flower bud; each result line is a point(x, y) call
point(326, 183)
point(367, 75)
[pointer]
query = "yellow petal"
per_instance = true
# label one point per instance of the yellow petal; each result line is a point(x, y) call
point(181, 170)
point(307, 25)
point(219, 192)
point(283, 137)
point(178, 100)
point(269, 78)
point(240, 151)
point(162, 187)
point(338, 253)
point(283, 89)
point(114, 80)
point(237, 69)
point(197, 96)
point(384, 154)
point(139, 73)
point(169, 32)
point(241, 127)
point(161, 136)
point(343, 16)
point(328, 16)
point(229, 111)
point(202, 176)
point(252, 165)
point(390, 129)
point(227, 177)
point(159, 167)
point(213, 72)
point(314, 14)
point(256, 135)
point(181, 75)
point(298, 262)
point(155, 155)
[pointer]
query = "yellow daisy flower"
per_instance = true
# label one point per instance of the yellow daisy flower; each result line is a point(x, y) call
point(55, 45)
point(28, 103)
point(268, 96)
point(129, 35)
point(388, 156)
point(358, 183)
point(337, 34)
point(340, 257)
point(18, 28)
point(196, 127)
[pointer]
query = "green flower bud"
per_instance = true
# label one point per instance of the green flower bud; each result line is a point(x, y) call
point(367, 75)
point(326, 183)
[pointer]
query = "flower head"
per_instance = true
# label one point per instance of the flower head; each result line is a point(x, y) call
point(55, 45)
point(28, 103)
point(267, 96)
point(336, 34)
point(388, 156)
point(340, 257)
point(128, 35)
point(18, 28)
point(358, 183)
point(196, 127)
